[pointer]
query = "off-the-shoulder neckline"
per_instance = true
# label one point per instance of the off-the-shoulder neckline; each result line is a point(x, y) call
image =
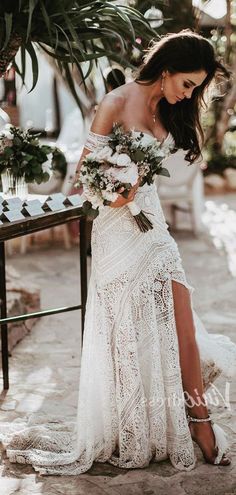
point(138, 132)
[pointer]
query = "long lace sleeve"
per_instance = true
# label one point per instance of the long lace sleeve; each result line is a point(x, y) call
point(95, 141)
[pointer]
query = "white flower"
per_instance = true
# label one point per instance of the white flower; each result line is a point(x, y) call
point(93, 198)
point(109, 186)
point(118, 148)
point(113, 159)
point(146, 139)
point(157, 152)
point(123, 160)
point(96, 202)
point(129, 174)
point(6, 132)
point(104, 154)
point(165, 151)
point(6, 137)
point(109, 196)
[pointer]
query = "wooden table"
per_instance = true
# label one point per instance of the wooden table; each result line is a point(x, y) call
point(23, 227)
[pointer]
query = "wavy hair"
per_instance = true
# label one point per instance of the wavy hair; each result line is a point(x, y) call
point(185, 51)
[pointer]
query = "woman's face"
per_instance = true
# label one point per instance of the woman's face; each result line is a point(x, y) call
point(181, 85)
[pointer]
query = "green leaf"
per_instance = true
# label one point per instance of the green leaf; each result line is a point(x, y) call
point(17, 141)
point(8, 28)
point(72, 31)
point(138, 155)
point(127, 185)
point(47, 20)
point(8, 152)
point(122, 15)
point(23, 64)
point(46, 149)
point(125, 193)
point(46, 176)
point(69, 47)
point(28, 158)
point(35, 69)
point(32, 5)
point(164, 171)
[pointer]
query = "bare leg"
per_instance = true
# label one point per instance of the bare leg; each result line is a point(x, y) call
point(191, 369)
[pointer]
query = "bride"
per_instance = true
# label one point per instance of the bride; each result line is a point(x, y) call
point(145, 349)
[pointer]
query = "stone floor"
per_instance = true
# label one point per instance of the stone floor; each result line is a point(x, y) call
point(44, 367)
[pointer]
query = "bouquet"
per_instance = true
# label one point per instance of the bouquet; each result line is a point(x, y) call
point(123, 162)
point(22, 155)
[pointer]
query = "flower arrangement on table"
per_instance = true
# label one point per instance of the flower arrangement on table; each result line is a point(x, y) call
point(120, 164)
point(23, 157)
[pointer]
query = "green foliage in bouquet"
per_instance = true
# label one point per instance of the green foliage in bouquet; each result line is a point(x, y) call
point(150, 155)
point(23, 156)
point(125, 161)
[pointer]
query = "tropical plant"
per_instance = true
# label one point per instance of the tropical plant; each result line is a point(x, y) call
point(69, 31)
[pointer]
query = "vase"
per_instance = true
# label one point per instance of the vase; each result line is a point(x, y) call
point(14, 186)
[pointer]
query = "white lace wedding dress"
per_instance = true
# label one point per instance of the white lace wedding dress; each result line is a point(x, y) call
point(131, 405)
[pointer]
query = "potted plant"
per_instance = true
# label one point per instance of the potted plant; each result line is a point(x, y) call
point(24, 160)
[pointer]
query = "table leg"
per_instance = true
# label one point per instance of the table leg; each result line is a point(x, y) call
point(3, 309)
point(83, 268)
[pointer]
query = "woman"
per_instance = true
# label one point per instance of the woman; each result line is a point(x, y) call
point(164, 103)
point(144, 347)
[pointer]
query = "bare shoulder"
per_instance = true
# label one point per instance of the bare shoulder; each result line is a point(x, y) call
point(109, 111)
point(113, 101)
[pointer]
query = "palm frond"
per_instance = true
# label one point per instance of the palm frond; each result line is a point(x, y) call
point(8, 28)
point(32, 6)
point(69, 31)
point(34, 63)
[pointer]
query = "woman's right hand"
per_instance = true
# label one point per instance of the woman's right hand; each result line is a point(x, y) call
point(121, 201)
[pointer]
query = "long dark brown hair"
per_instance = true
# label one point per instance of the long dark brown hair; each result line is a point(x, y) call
point(185, 51)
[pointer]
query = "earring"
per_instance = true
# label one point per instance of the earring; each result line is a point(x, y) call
point(162, 83)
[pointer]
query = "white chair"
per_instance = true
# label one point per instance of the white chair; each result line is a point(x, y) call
point(183, 190)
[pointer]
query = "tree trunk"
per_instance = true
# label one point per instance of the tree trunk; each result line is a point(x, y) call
point(228, 31)
point(7, 55)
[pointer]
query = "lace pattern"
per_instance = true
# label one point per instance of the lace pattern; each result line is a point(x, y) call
point(130, 405)
point(95, 141)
